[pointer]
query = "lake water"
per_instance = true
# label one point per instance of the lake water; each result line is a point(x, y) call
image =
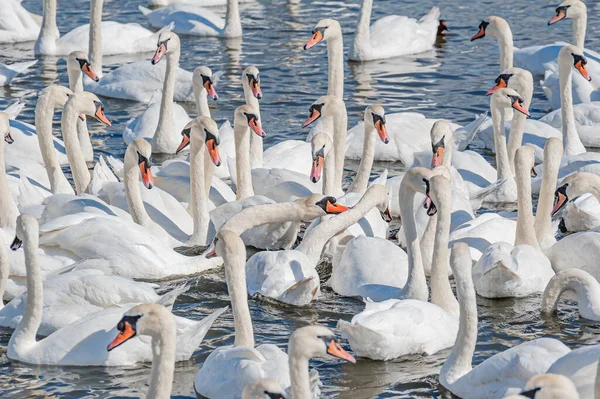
point(449, 82)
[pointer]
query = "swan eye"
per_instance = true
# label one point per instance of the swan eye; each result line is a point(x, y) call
point(82, 62)
point(483, 25)
point(210, 136)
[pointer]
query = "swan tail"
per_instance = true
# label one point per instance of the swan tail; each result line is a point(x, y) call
point(144, 10)
point(432, 16)
point(14, 109)
point(168, 299)
point(464, 135)
point(478, 197)
point(302, 293)
point(189, 340)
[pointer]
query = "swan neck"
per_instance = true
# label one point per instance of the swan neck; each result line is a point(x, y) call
point(299, 375)
point(200, 95)
point(131, 181)
point(505, 44)
point(233, 23)
point(95, 44)
point(75, 80)
point(8, 208)
point(164, 130)
point(586, 288)
point(4, 268)
point(199, 200)
point(329, 174)
point(81, 174)
point(571, 141)
point(361, 180)
point(256, 142)
point(163, 361)
point(340, 127)
point(335, 66)
point(49, 33)
point(525, 221)
point(502, 163)
point(242, 161)
point(264, 214)
point(362, 36)
point(543, 215)
point(517, 127)
point(579, 30)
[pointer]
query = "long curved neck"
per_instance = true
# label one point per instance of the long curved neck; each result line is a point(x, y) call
point(95, 44)
point(27, 329)
point(505, 44)
point(49, 34)
point(585, 286)
point(416, 285)
point(362, 35)
point(517, 127)
point(131, 181)
point(233, 23)
point(200, 95)
point(543, 215)
point(81, 174)
point(335, 68)
point(361, 180)
point(164, 130)
point(242, 161)
point(264, 214)
point(502, 163)
point(199, 204)
point(579, 28)
point(571, 141)
point(340, 127)
point(8, 208)
point(525, 221)
point(75, 79)
point(329, 174)
point(299, 375)
point(459, 362)
point(76, 86)
point(441, 292)
point(4, 268)
point(312, 244)
point(163, 362)
point(256, 142)
point(43, 125)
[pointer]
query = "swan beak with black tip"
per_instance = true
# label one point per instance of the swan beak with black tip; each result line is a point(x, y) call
point(315, 113)
point(87, 69)
point(185, 140)
point(517, 104)
point(211, 251)
point(561, 13)
point(501, 83)
point(580, 65)
point(533, 171)
point(99, 114)
point(161, 50)
point(255, 125)
point(213, 150)
point(335, 349)
point(145, 168)
point(9, 138)
point(255, 87)
point(317, 169)
point(438, 154)
point(16, 244)
point(210, 89)
point(127, 330)
point(386, 215)
point(560, 199)
point(481, 32)
point(381, 130)
point(317, 36)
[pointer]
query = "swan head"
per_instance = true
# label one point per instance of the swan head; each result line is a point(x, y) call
point(139, 152)
point(26, 231)
point(5, 128)
point(313, 341)
point(251, 81)
point(203, 77)
point(78, 61)
point(324, 106)
point(317, 205)
point(572, 187)
point(508, 98)
point(57, 94)
point(325, 30)
point(146, 319)
point(493, 26)
point(263, 388)
point(375, 117)
point(416, 180)
point(168, 42)
point(525, 160)
point(380, 192)
point(441, 138)
point(202, 129)
point(320, 145)
point(573, 55)
point(569, 9)
point(89, 104)
point(247, 115)
point(550, 385)
point(516, 78)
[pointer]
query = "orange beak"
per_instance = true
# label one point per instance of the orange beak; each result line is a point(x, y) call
point(316, 37)
point(314, 115)
point(210, 89)
point(438, 155)
point(123, 336)
point(583, 70)
point(334, 349)
point(9, 138)
point(160, 52)
point(387, 215)
point(317, 169)
point(335, 208)
point(87, 69)
point(185, 141)
point(479, 34)
point(559, 15)
point(146, 175)
point(559, 201)
point(501, 84)
point(213, 151)
point(255, 126)
point(382, 131)
point(519, 107)
point(256, 92)
point(101, 117)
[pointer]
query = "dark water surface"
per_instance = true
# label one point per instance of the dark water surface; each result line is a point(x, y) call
point(449, 82)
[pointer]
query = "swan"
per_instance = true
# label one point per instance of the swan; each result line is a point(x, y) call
point(394, 328)
point(548, 386)
point(498, 27)
point(504, 373)
point(11, 71)
point(228, 369)
point(18, 24)
point(544, 230)
point(380, 40)
point(331, 31)
point(577, 197)
point(189, 19)
point(586, 287)
point(517, 271)
point(263, 388)
point(290, 276)
point(581, 367)
point(81, 343)
point(112, 37)
point(171, 118)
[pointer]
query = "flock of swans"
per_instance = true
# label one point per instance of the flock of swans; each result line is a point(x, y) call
point(86, 252)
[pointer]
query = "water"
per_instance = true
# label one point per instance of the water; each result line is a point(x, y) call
point(448, 82)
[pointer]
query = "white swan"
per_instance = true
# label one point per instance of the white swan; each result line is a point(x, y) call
point(189, 19)
point(505, 270)
point(17, 24)
point(82, 342)
point(547, 386)
point(577, 196)
point(113, 37)
point(331, 31)
point(290, 276)
point(504, 373)
point(381, 40)
point(395, 328)
point(581, 367)
point(11, 71)
point(586, 287)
